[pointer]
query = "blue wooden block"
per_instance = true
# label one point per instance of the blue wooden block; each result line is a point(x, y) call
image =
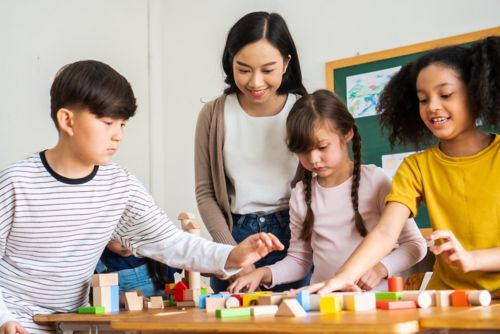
point(115, 298)
point(304, 300)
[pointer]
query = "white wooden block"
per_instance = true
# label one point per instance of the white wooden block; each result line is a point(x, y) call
point(290, 308)
point(479, 298)
point(364, 301)
point(212, 304)
point(156, 302)
point(102, 297)
point(422, 298)
point(443, 298)
point(263, 310)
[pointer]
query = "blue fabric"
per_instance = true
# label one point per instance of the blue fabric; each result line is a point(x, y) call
point(137, 279)
point(115, 262)
point(277, 223)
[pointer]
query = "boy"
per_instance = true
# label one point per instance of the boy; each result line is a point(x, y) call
point(60, 207)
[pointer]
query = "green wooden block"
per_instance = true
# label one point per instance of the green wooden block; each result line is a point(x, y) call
point(91, 310)
point(388, 295)
point(203, 291)
point(233, 312)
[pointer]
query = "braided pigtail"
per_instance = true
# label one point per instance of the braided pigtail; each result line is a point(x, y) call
point(356, 177)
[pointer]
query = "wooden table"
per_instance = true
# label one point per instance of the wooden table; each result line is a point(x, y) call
point(463, 319)
point(172, 320)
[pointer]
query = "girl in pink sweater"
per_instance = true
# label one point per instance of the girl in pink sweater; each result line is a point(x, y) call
point(336, 204)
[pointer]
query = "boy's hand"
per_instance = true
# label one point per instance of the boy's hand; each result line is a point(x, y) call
point(12, 327)
point(252, 249)
point(251, 281)
point(372, 277)
point(452, 251)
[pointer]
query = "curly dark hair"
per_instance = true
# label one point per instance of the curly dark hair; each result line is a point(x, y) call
point(479, 68)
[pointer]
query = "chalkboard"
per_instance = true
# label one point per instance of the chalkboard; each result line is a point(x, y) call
point(375, 142)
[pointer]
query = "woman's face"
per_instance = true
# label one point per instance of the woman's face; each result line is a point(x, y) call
point(258, 70)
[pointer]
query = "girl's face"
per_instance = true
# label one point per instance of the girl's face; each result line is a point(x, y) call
point(444, 102)
point(329, 154)
point(258, 70)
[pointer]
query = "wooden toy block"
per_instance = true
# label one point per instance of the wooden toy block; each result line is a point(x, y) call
point(101, 280)
point(264, 310)
point(214, 303)
point(388, 295)
point(132, 302)
point(459, 298)
point(396, 304)
point(180, 291)
point(479, 298)
point(443, 298)
point(185, 215)
point(232, 302)
point(238, 296)
point(290, 308)
point(395, 284)
point(102, 297)
point(194, 295)
point(304, 299)
point(115, 298)
point(425, 280)
point(186, 303)
point(91, 310)
point(233, 312)
point(203, 291)
point(330, 304)
point(274, 299)
point(423, 299)
point(190, 226)
point(364, 301)
point(156, 302)
point(250, 299)
point(314, 301)
point(202, 301)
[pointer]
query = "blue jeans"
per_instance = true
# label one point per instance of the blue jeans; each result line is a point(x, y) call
point(138, 279)
point(277, 223)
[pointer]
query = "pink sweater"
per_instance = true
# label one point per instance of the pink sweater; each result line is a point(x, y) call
point(335, 237)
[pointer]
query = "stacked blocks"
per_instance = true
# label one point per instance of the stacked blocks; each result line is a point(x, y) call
point(106, 292)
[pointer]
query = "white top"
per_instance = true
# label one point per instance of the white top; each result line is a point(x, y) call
point(335, 237)
point(53, 231)
point(256, 159)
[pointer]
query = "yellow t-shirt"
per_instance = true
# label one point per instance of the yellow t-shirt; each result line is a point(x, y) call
point(462, 195)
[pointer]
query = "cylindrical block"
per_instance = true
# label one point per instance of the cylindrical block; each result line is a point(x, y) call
point(423, 298)
point(479, 298)
point(395, 283)
point(232, 302)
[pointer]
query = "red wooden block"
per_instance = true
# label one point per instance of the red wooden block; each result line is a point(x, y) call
point(396, 304)
point(459, 298)
point(395, 283)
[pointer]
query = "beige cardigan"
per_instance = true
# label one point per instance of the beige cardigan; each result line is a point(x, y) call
point(210, 176)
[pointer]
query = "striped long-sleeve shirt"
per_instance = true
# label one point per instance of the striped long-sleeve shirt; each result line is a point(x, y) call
point(53, 230)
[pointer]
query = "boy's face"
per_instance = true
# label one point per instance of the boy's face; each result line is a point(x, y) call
point(95, 140)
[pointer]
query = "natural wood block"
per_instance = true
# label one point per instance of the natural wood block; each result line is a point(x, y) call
point(290, 308)
point(101, 280)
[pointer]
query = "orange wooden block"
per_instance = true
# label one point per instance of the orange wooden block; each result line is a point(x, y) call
point(459, 298)
point(396, 304)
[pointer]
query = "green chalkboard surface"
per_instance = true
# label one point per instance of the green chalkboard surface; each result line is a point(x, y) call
point(375, 142)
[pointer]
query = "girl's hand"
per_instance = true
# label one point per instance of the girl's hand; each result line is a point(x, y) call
point(333, 284)
point(12, 327)
point(452, 251)
point(250, 282)
point(252, 249)
point(372, 277)
point(244, 271)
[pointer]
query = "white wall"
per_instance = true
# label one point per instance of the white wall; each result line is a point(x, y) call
point(170, 50)
point(39, 37)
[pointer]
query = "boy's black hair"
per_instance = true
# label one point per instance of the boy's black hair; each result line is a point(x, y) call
point(479, 68)
point(272, 27)
point(94, 85)
point(323, 107)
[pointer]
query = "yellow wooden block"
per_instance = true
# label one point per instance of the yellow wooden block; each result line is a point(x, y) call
point(250, 299)
point(330, 304)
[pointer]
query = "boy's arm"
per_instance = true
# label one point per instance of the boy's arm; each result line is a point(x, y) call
point(379, 242)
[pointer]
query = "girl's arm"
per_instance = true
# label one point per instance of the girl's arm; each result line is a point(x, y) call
point(378, 243)
point(210, 211)
point(474, 260)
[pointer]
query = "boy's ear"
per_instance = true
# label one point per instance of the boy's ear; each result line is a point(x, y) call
point(348, 136)
point(65, 120)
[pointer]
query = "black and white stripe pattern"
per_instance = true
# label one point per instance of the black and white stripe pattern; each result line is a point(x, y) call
point(53, 230)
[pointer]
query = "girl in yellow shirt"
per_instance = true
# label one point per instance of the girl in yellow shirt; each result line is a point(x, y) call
point(442, 95)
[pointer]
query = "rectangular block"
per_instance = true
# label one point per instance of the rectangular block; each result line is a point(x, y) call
point(91, 310)
point(264, 310)
point(115, 298)
point(102, 297)
point(364, 301)
point(100, 280)
point(233, 312)
point(396, 304)
point(330, 304)
point(388, 295)
point(443, 298)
